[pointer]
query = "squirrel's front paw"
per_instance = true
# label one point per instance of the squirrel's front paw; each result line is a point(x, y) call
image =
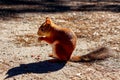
point(40, 39)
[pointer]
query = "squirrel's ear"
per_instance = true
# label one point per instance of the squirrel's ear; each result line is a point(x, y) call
point(48, 20)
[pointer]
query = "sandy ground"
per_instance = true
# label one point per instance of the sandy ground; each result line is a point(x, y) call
point(23, 58)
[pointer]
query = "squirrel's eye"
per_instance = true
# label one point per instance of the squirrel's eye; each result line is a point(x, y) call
point(42, 29)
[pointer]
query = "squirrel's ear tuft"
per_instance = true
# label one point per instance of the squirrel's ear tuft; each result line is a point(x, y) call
point(48, 20)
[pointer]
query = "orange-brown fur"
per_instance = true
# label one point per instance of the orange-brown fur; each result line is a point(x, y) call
point(63, 41)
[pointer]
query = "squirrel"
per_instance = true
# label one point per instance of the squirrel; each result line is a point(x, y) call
point(63, 41)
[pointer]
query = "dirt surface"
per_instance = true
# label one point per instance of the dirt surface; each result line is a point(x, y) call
point(23, 58)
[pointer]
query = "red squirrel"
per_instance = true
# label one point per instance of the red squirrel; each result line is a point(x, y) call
point(63, 41)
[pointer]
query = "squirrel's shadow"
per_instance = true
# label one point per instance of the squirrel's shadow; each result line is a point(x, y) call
point(39, 67)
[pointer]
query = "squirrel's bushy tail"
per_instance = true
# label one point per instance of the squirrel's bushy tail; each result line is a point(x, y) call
point(98, 54)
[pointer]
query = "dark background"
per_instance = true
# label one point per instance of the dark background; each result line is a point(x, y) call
point(12, 7)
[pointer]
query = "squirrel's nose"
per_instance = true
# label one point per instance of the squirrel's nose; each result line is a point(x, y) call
point(38, 33)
